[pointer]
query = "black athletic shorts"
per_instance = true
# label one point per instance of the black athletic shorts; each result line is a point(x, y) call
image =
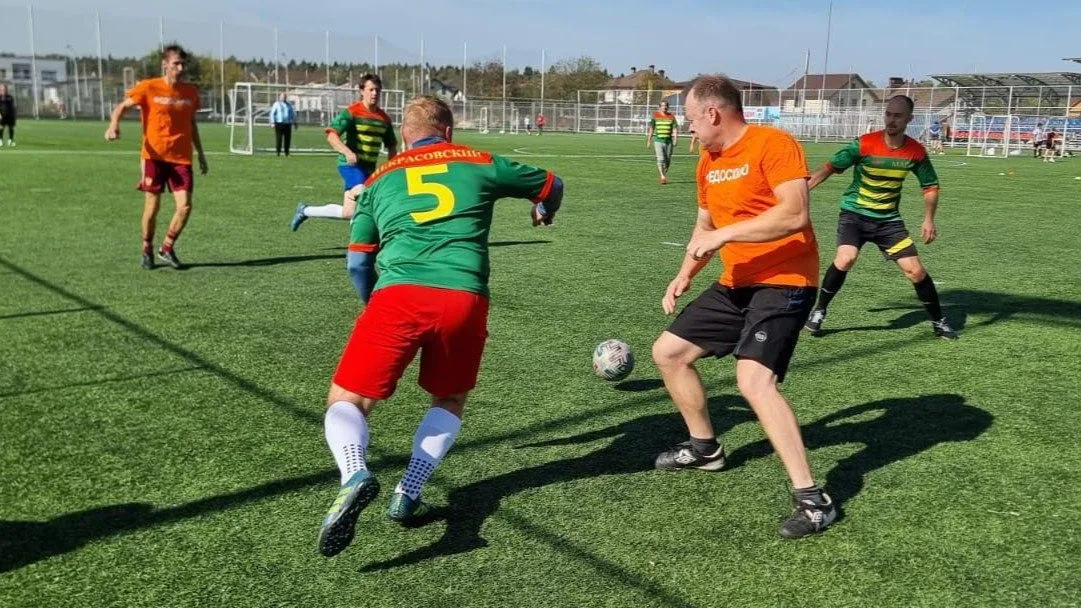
point(891, 236)
point(761, 322)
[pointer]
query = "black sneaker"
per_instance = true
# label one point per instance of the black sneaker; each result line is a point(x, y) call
point(943, 330)
point(814, 322)
point(683, 456)
point(809, 517)
point(169, 257)
point(148, 261)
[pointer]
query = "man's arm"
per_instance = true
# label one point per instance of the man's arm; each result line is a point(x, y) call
point(690, 266)
point(930, 206)
point(649, 133)
point(113, 131)
point(820, 176)
point(791, 214)
point(198, 143)
point(675, 132)
point(339, 146)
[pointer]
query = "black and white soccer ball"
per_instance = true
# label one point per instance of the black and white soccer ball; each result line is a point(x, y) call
point(613, 360)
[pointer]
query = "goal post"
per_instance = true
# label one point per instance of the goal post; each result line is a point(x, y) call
point(248, 118)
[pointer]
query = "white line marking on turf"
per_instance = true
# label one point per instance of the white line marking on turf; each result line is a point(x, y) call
point(304, 187)
point(672, 244)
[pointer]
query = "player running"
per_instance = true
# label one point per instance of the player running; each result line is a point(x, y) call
point(357, 133)
point(663, 131)
point(423, 221)
point(168, 109)
point(869, 210)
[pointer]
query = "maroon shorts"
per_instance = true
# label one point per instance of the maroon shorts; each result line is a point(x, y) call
point(448, 326)
point(157, 174)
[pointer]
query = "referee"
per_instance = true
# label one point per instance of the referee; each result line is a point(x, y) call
point(284, 119)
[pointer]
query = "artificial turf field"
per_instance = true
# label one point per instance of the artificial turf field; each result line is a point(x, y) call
point(161, 436)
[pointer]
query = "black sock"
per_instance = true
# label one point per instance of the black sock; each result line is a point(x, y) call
point(705, 447)
point(928, 294)
point(813, 494)
point(831, 284)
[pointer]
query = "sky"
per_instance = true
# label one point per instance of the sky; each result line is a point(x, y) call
point(765, 41)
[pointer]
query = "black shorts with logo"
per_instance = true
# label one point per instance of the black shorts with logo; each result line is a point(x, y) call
point(891, 236)
point(760, 322)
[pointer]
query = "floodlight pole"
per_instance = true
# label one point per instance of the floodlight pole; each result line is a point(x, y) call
point(221, 65)
point(101, 72)
point(276, 64)
point(825, 68)
point(33, 61)
point(542, 83)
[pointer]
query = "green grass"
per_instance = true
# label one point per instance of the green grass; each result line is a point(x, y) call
point(161, 440)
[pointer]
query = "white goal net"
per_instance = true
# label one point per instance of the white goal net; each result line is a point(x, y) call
point(250, 131)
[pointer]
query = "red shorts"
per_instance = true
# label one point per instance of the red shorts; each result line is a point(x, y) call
point(448, 326)
point(158, 173)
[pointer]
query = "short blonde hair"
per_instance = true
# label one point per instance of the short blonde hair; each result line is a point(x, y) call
point(428, 115)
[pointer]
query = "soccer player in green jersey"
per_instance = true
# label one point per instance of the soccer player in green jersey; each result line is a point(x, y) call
point(880, 162)
point(663, 132)
point(357, 134)
point(423, 223)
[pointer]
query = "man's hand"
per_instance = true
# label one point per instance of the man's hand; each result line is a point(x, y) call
point(112, 133)
point(351, 157)
point(676, 288)
point(203, 167)
point(540, 218)
point(928, 231)
point(705, 243)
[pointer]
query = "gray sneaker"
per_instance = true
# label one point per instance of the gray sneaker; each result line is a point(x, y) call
point(809, 517)
point(814, 322)
point(683, 456)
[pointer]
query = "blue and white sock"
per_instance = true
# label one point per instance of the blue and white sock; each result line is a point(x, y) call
point(434, 437)
point(346, 430)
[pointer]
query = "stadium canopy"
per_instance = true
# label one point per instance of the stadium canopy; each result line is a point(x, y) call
point(1048, 87)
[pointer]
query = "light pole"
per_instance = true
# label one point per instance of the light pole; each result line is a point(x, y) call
point(75, 67)
point(286, 64)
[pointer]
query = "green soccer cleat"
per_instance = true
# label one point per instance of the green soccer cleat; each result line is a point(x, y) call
point(298, 217)
point(408, 511)
point(341, 520)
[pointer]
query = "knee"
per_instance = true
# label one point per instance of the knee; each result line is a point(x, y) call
point(915, 272)
point(454, 404)
point(337, 394)
point(668, 355)
point(755, 382)
point(844, 261)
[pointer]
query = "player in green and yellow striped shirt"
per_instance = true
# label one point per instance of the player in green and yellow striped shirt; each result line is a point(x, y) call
point(663, 132)
point(358, 133)
point(869, 210)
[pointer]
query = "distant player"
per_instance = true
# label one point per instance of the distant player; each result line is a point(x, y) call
point(934, 137)
point(1049, 145)
point(869, 210)
point(7, 115)
point(663, 132)
point(542, 120)
point(528, 125)
point(1037, 140)
point(168, 108)
point(357, 133)
point(423, 221)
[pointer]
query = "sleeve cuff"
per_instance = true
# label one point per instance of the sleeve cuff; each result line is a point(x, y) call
point(547, 189)
point(931, 188)
point(363, 247)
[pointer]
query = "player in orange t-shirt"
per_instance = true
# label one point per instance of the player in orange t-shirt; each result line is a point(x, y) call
point(168, 109)
point(754, 209)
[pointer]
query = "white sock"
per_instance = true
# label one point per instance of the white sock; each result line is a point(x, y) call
point(435, 435)
point(346, 431)
point(330, 210)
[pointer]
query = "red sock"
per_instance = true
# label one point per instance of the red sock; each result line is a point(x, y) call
point(148, 244)
point(170, 238)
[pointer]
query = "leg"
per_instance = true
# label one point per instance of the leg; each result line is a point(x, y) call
point(433, 439)
point(675, 358)
point(277, 140)
point(151, 204)
point(843, 261)
point(288, 131)
point(768, 339)
point(183, 200)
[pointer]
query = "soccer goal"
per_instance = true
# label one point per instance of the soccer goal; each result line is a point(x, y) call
point(250, 130)
point(992, 136)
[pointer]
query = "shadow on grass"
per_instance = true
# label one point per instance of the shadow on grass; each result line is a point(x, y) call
point(1006, 306)
point(44, 313)
point(285, 259)
point(25, 542)
point(513, 243)
point(957, 316)
point(902, 428)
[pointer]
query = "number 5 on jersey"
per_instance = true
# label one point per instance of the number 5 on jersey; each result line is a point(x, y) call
point(444, 196)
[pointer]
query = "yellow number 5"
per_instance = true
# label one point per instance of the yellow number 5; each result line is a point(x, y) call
point(444, 196)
